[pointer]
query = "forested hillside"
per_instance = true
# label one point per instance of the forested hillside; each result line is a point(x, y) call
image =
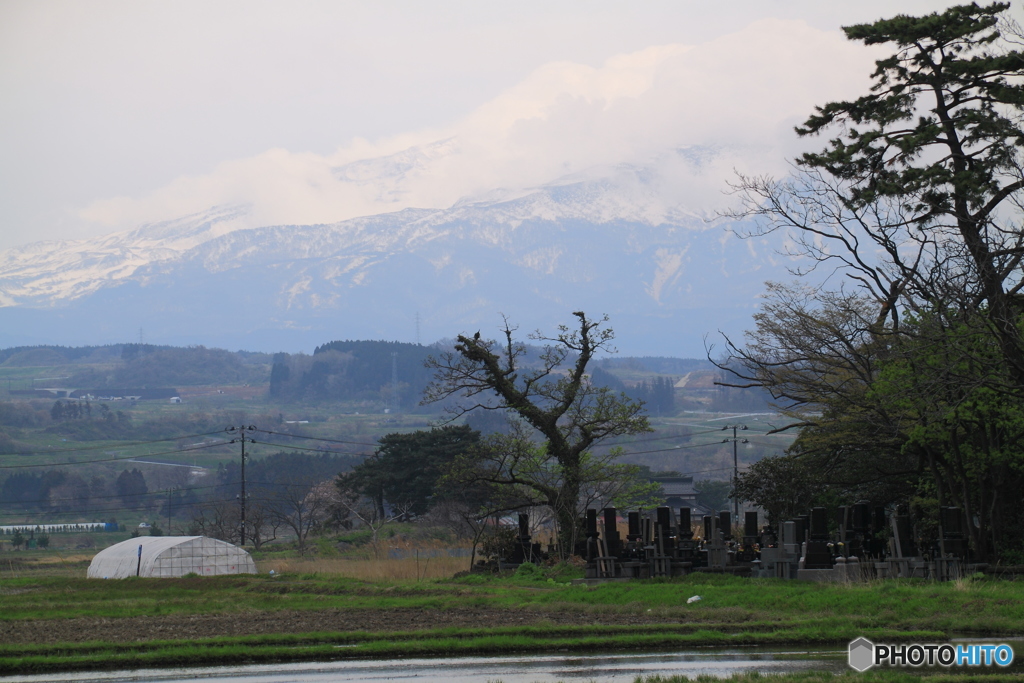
point(353, 370)
point(143, 365)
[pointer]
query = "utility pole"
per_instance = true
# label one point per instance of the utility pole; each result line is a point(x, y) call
point(735, 470)
point(169, 489)
point(242, 438)
point(394, 382)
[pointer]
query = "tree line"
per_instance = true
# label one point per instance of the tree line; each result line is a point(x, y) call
point(352, 371)
point(903, 369)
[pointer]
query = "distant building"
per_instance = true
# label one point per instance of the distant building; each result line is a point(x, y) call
point(175, 399)
point(678, 492)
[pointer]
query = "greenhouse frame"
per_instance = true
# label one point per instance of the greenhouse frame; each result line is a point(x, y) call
point(170, 556)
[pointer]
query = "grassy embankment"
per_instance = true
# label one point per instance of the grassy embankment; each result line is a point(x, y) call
point(732, 612)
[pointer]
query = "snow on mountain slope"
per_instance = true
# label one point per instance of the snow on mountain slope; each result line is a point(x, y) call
point(611, 240)
point(49, 273)
point(52, 272)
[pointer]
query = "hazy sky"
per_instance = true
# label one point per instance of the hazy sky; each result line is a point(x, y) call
point(117, 113)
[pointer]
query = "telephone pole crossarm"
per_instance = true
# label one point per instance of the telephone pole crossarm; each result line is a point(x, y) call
point(242, 438)
point(735, 468)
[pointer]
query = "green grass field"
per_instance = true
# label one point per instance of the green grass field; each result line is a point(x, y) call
point(732, 612)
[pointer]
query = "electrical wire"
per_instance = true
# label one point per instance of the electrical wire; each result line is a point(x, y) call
point(312, 450)
point(364, 443)
point(317, 438)
point(662, 438)
point(267, 443)
point(157, 496)
point(675, 448)
point(126, 445)
point(118, 459)
point(717, 469)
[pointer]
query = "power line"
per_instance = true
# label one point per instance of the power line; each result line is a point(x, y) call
point(117, 459)
point(267, 431)
point(312, 450)
point(662, 438)
point(375, 444)
point(129, 444)
point(316, 438)
point(676, 448)
point(717, 469)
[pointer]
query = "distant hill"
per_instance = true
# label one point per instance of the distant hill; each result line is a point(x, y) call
point(349, 371)
point(52, 356)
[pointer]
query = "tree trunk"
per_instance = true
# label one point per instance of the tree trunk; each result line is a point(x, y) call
point(567, 514)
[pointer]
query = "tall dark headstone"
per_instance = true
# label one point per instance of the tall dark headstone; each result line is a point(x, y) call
point(877, 519)
point(950, 518)
point(634, 526)
point(524, 527)
point(803, 528)
point(953, 541)
point(591, 523)
point(817, 554)
point(905, 536)
point(612, 540)
point(725, 524)
point(861, 520)
point(819, 524)
point(665, 521)
point(750, 523)
point(685, 526)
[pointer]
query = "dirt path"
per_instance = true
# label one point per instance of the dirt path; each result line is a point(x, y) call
point(181, 627)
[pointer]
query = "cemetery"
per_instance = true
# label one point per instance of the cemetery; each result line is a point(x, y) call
point(865, 543)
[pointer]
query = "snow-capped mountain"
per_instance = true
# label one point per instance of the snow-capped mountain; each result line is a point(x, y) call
point(49, 273)
point(607, 241)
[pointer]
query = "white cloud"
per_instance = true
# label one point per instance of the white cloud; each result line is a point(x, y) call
point(742, 92)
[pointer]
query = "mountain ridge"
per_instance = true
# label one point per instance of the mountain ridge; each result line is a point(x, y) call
point(604, 244)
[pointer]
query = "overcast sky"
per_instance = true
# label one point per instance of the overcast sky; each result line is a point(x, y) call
point(117, 113)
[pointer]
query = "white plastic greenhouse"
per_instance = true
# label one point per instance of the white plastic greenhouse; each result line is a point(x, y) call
point(170, 556)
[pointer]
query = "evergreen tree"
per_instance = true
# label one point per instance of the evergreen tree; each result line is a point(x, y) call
point(131, 487)
point(405, 468)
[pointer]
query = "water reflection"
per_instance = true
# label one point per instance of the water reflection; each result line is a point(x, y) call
point(527, 669)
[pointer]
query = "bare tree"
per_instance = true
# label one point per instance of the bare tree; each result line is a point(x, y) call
point(346, 498)
point(261, 525)
point(219, 519)
point(300, 506)
point(915, 204)
point(917, 198)
point(555, 397)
